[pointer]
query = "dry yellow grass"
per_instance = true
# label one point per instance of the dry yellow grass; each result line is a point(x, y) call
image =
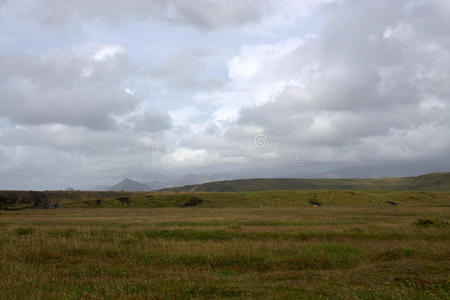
point(334, 252)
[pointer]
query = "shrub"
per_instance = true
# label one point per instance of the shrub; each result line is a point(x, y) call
point(428, 222)
point(24, 230)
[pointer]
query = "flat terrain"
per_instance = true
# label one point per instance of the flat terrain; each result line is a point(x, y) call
point(344, 249)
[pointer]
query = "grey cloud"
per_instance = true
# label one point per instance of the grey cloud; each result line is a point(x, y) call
point(35, 167)
point(187, 70)
point(202, 14)
point(151, 122)
point(72, 139)
point(371, 87)
point(374, 81)
point(66, 89)
point(210, 15)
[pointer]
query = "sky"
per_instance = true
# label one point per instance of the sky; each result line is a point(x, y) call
point(93, 91)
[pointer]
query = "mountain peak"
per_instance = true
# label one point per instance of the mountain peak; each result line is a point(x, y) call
point(128, 184)
point(128, 180)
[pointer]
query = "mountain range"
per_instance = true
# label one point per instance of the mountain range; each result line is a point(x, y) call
point(189, 179)
point(203, 183)
point(387, 170)
point(427, 182)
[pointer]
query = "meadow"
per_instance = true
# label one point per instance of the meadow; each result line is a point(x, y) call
point(256, 245)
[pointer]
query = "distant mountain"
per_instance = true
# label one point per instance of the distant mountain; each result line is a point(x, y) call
point(431, 182)
point(129, 185)
point(190, 179)
point(101, 188)
point(394, 169)
point(156, 184)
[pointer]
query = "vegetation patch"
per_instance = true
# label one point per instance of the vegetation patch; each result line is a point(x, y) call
point(64, 233)
point(193, 201)
point(21, 231)
point(430, 222)
point(331, 255)
point(395, 254)
point(122, 200)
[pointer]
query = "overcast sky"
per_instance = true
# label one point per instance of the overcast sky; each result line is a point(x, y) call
point(92, 91)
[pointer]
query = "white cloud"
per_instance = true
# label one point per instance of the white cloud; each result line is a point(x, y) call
point(107, 51)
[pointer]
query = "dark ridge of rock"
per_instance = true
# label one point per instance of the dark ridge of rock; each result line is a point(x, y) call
point(124, 200)
point(315, 203)
point(24, 200)
point(428, 222)
point(391, 202)
point(194, 201)
point(6, 200)
point(40, 200)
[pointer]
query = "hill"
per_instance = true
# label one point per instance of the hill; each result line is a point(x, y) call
point(190, 179)
point(430, 182)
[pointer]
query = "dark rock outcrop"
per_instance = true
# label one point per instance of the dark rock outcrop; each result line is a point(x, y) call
point(194, 201)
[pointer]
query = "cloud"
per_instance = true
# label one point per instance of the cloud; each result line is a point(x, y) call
point(365, 88)
point(106, 52)
point(67, 88)
point(202, 14)
point(55, 156)
point(186, 70)
point(69, 116)
point(344, 82)
point(150, 122)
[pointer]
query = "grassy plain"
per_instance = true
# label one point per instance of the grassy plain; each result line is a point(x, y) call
point(259, 245)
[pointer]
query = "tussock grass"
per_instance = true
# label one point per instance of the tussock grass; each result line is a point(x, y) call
point(255, 199)
point(337, 252)
point(24, 231)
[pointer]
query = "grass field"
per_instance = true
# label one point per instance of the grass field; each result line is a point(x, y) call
point(259, 245)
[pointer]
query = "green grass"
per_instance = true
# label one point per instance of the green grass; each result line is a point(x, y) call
point(24, 230)
point(281, 198)
point(285, 198)
point(246, 248)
